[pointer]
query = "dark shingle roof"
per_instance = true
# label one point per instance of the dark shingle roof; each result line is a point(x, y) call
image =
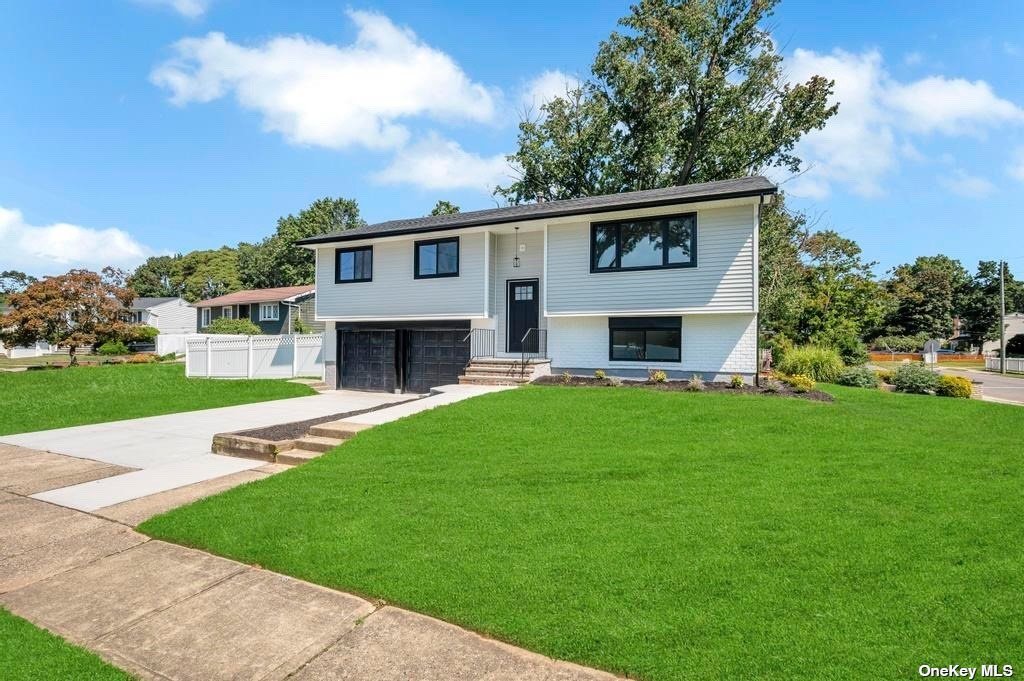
point(691, 193)
point(145, 303)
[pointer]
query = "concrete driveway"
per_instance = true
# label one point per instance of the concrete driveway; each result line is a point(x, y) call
point(996, 387)
point(173, 450)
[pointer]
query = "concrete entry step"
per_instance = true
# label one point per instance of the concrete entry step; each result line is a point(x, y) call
point(297, 457)
point(339, 430)
point(469, 379)
point(316, 443)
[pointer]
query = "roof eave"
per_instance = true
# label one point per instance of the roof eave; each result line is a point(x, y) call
point(653, 203)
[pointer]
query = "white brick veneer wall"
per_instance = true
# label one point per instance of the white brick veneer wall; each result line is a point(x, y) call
point(714, 345)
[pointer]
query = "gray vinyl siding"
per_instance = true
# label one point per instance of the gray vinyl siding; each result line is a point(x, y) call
point(395, 293)
point(307, 312)
point(531, 266)
point(175, 317)
point(723, 280)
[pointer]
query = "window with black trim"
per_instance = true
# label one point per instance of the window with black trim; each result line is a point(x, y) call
point(437, 258)
point(655, 243)
point(353, 264)
point(645, 339)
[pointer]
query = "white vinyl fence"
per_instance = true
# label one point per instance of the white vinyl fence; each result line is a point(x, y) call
point(167, 343)
point(1014, 364)
point(255, 356)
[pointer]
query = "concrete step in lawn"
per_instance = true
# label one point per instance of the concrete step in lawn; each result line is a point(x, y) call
point(485, 379)
point(296, 457)
point(317, 443)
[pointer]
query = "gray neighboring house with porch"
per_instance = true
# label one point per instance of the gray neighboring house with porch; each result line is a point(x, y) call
point(658, 279)
point(274, 310)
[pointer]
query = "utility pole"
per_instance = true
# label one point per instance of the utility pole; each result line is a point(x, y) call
point(1002, 317)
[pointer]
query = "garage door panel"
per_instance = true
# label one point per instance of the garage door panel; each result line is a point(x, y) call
point(367, 360)
point(436, 357)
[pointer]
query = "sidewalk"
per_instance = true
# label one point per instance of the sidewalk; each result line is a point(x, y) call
point(163, 611)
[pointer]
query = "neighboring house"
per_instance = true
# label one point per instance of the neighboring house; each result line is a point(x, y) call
point(1014, 326)
point(167, 315)
point(37, 349)
point(274, 310)
point(658, 279)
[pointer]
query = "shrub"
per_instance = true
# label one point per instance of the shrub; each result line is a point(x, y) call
point(111, 348)
point(954, 386)
point(779, 345)
point(695, 384)
point(657, 376)
point(914, 377)
point(799, 383)
point(233, 327)
point(736, 381)
point(885, 376)
point(141, 334)
point(1015, 346)
point(599, 374)
point(846, 342)
point(299, 326)
point(141, 358)
point(566, 378)
point(770, 385)
point(899, 343)
point(815, 362)
point(859, 377)
point(169, 357)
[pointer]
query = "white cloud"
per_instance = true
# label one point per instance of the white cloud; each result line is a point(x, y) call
point(962, 183)
point(878, 116)
point(949, 105)
point(193, 9)
point(56, 248)
point(439, 163)
point(1016, 166)
point(545, 87)
point(329, 95)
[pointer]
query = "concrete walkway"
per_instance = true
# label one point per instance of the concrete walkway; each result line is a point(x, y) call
point(173, 450)
point(162, 611)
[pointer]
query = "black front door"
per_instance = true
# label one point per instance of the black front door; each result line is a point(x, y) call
point(523, 314)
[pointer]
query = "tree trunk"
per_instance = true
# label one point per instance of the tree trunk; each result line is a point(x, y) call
point(72, 356)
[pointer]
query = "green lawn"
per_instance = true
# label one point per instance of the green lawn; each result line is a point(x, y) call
point(28, 653)
point(668, 535)
point(54, 398)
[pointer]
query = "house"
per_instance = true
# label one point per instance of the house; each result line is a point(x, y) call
point(1014, 326)
point(658, 279)
point(274, 310)
point(166, 315)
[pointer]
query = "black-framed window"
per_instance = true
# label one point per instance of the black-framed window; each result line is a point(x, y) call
point(353, 264)
point(651, 243)
point(645, 339)
point(436, 258)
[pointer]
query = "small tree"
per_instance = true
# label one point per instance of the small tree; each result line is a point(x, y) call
point(70, 310)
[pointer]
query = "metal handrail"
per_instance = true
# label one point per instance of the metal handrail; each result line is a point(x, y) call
point(540, 351)
point(481, 343)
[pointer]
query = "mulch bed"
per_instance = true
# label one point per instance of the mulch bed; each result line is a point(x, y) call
point(681, 386)
point(297, 429)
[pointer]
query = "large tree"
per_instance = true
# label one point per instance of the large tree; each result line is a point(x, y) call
point(13, 281)
point(443, 207)
point(928, 294)
point(782, 294)
point(691, 91)
point(981, 307)
point(277, 261)
point(193, 276)
point(71, 310)
point(158, 277)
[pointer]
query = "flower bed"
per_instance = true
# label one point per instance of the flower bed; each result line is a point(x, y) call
point(774, 388)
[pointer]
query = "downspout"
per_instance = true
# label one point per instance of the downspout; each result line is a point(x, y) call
point(757, 287)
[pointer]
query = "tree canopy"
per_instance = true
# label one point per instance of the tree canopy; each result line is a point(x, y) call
point(277, 261)
point(444, 208)
point(70, 310)
point(690, 91)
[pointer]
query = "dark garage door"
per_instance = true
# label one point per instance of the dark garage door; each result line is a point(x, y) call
point(434, 357)
point(368, 360)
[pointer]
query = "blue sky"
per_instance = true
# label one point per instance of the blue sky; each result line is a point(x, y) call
point(134, 127)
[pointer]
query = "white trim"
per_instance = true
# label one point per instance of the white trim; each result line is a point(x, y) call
point(641, 313)
point(205, 316)
point(316, 274)
point(276, 311)
point(487, 272)
point(544, 278)
point(757, 264)
point(403, 318)
point(230, 309)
